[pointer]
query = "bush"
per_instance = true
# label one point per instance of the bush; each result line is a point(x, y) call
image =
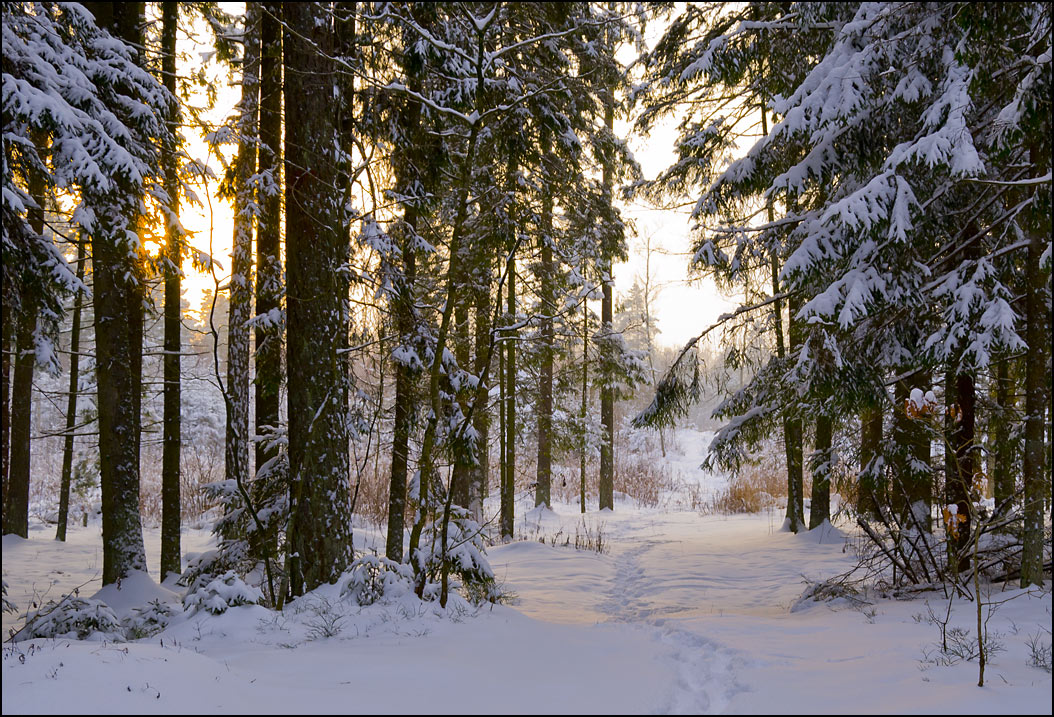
point(372, 578)
point(73, 618)
point(464, 559)
point(149, 620)
point(221, 593)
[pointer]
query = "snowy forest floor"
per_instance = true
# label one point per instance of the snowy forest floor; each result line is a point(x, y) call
point(682, 613)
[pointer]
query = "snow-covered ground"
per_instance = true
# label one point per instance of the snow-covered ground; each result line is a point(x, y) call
point(682, 613)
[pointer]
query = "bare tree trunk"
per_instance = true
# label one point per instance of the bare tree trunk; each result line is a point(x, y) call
point(71, 403)
point(172, 439)
point(317, 250)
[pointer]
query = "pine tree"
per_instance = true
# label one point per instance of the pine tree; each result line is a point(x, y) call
point(317, 249)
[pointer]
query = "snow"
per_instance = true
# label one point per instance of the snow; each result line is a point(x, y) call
point(681, 613)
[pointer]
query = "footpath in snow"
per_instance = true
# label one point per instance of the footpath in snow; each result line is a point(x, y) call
point(681, 614)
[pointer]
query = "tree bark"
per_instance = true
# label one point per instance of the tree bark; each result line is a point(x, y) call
point(237, 465)
point(869, 486)
point(16, 509)
point(912, 490)
point(543, 486)
point(317, 250)
point(172, 440)
point(792, 439)
point(607, 392)
point(71, 403)
point(269, 287)
point(820, 505)
point(1037, 367)
point(118, 285)
point(481, 418)
point(508, 489)
point(1004, 443)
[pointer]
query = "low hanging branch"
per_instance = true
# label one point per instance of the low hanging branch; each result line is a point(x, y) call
point(675, 393)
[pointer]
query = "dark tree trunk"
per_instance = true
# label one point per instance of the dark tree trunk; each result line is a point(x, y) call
point(822, 457)
point(269, 288)
point(5, 418)
point(462, 467)
point(870, 484)
point(71, 403)
point(547, 302)
point(606, 487)
point(238, 468)
point(16, 508)
point(118, 285)
point(1004, 443)
point(912, 488)
point(1037, 368)
point(317, 250)
point(508, 489)
point(792, 440)
point(172, 440)
point(960, 481)
point(481, 418)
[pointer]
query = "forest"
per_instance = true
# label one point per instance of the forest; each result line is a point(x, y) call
point(342, 320)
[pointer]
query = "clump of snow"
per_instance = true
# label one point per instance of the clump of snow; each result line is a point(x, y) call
point(222, 593)
point(134, 591)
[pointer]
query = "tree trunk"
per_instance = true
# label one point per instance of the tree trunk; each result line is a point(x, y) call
point(792, 439)
point(822, 458)
point(1037, 366)
point(118, 286)
point(237, 466)
point(543, 487)
point(912, 489)
point(5, 418)
point(16, 499)
point(71, 403)
point(606, 488)
point(269, 287)
point(1004, 443)
point(16, 509)
point(317, 251)
point(171, 440)
point(584, 414)
point(481, 417)
point(870, 494)
point(958, 484)
point(462, 467)
point(508, 489)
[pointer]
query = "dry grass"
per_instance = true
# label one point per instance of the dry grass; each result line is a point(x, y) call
point(757, 486)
